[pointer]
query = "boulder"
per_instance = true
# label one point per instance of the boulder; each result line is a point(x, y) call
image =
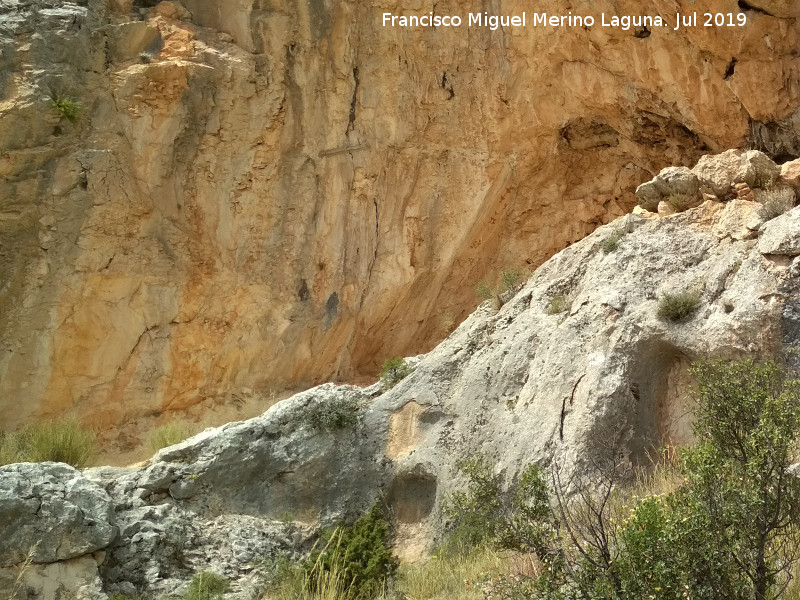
point(670, 182)
point(718, 173)
point(790, 174)
point(53, 507)
point(781, 235)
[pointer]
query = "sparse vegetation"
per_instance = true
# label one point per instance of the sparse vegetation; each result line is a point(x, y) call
point(334, 415)
point(69, 108)
point(558, 303)
point(206, 586)
point(611, 242)
point(775, 202)
point(170, 433)
point(394, 371)
point(57, 441)
point(145, 57)
point(448, 323)
point(508, 283)
point(681, 202)
point(724, 523)
point(679, 306)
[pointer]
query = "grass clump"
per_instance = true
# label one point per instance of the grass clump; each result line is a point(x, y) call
point(558, 303)
point(682, 202)
point(68, 108)
point(775, 202)
point(394, 371)
point(49, 441)
point(677, 307)
point(169, 434)
point(206, 586)
point(611, 242)
point(334, 414)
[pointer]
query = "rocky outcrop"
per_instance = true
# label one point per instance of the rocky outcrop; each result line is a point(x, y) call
point(264, 197)
point(577, 362)
point(54, 525)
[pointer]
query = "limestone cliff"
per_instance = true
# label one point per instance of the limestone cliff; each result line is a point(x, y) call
point(284, 192)
point(580, 353)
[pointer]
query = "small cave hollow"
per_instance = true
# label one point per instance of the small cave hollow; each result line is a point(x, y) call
point(412, 496)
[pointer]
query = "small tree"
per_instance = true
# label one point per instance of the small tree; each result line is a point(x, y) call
point(394, 371)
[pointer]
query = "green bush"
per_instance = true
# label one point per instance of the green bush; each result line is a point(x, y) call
point(510, 280)
point(360, 555)
point(169, 434)
point(206, 586)
point(334, 414)
point(729, 529)
point(394, 371)
point(68, 108)
point(56, 441)
point(484, 291)
point(677, 307)
point(611, 242)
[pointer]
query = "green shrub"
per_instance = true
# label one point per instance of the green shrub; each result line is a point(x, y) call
point(206, 586)
point(359, 555)
point(510, 280)
point(484, 291)
point(677, 307)
point(394, 371)
point(558, 303)
point(69, 108)
point(611, 242)
point(333, 414)
point(56, 441)
point(145, 57)
point(169, 434)
point(730, 528)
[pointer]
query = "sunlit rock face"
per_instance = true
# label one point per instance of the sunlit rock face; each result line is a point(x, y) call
point(281, 193)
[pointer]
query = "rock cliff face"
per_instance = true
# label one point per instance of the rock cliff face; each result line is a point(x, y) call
point(579, 356)
point(285, 192)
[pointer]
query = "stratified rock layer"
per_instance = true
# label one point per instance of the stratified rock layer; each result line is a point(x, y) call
point(261, 197)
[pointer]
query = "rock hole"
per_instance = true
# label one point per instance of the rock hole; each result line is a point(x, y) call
point(729, 71)
point(412, 496)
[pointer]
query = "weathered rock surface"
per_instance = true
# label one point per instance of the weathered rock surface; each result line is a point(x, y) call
point(518, 385)
point(55, 508)
point(267, 196)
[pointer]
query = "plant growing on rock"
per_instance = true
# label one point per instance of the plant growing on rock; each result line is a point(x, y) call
point(359, 557)
point(558, 303)
point(68, 108)
point(508, 282)
point(394, 371)
point(611, 241)
point(682, 202)
point(334, 414)
point(206, 585)
point(679, 306)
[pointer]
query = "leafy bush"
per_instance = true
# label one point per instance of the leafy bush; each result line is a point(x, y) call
point(68, 108)
point(57, 441)
point(358, 555)
point(334, 414)
point(730, 529)
point(510, 280)
point(484, 291)
point(394, 371)
point(775, 202)
point(206, 586)
point(611, 242)
point(558, 303)
point(676, 307)
point(169, 434)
